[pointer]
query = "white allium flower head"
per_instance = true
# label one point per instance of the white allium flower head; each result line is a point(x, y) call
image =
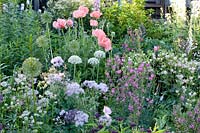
point(100, 54)
point(93, 61)
point(74, 59)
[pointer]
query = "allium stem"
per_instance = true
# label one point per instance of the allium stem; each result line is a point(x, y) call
point(98, 73)
point(74, 72)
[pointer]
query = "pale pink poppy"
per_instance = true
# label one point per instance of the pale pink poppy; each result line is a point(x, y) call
point(96, 14)
point(79, 14)
point(59, 24)
point(156, 48)
point(84, 9)
point(56, 25)
point(105, 43)
point(98, 33)
point(107, 111)
point(93, 23)
point(62, 22)
point(69, 23)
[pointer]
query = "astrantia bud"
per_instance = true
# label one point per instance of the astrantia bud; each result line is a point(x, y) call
point(32, 67)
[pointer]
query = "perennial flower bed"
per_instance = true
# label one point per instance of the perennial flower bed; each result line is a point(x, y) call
point(74, 74)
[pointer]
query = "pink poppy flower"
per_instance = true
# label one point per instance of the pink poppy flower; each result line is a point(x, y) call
point(96, 14)
point(105, 43)
point(93, 23)
point(84, 9)
point(59, 24)
point(98, 33)
point(79, 14)
point(56, 25)
point(69, 23)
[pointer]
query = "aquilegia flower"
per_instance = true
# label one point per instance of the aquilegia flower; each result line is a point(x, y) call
point(57, 61)
point(74, 59)
point(73, 88)
point(100, 54)
point(107, 111)
point(93, 61)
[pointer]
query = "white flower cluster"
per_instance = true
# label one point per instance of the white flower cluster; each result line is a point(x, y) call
point(74, 59)
point(93, 61)
point(99, 54)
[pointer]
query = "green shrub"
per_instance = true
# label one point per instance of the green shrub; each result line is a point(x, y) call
point(127, 15)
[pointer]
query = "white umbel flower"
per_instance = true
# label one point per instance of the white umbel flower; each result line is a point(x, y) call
point(100, 54)
point(74, 59)
point(93, 61)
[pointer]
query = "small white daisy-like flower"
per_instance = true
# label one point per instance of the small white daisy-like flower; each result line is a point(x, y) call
point(100, 54)
point(93, 61)
point(74, 59)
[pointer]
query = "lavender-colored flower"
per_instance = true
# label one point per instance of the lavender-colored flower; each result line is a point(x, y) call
point(90, 84)
point(55, 78)
point(105, 120)
point(73, 88)
point(1, 98)
point(192, 126)
point(57, 61)
point(1, 127)
point(62, 112)
point(69, 116)
point(102, 87)
point(81, 118)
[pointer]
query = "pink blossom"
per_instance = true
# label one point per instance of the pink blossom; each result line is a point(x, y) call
point(84, 9)
point(79, 14)
point(93, 23)
point(107, 111)
point(96, 14)
point(156, 48)
point(105, 43)
point(98, 33)
point(69, 23)
point(59, 24)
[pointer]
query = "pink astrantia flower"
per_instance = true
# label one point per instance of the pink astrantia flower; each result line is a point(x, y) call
point(59, 24)
point(105, 43)
point(107, 111)
point(98, 33)
point(95, 14)
point(93, 23)
point(156, 48)
point(69, 23)
point(79, 14)
point(84, 9)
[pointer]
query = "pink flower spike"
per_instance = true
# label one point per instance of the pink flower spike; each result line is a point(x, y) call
point(107, 110)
